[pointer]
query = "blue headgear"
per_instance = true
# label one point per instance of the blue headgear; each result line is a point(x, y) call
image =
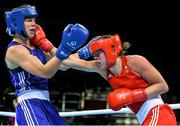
point(15, 19)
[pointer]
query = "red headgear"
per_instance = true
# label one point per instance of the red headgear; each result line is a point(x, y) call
point(111, 46)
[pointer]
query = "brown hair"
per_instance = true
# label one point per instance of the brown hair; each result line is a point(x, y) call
point(126, 46)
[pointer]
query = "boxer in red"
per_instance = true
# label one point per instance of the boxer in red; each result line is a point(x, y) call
point(136, 83)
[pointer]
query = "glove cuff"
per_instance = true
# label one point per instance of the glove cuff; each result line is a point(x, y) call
point(62, 53)
point(139, 95)
point(84, 53)
point(46, 45)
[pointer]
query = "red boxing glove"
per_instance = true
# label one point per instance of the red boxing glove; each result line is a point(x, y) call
point(124, 96)
point(40, 40)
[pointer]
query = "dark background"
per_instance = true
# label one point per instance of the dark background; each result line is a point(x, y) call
point(152, 28)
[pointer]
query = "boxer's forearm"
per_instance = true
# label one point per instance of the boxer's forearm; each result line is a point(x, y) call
point(78, 64)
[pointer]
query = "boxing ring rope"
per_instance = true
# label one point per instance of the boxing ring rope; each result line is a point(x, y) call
point(90, 112)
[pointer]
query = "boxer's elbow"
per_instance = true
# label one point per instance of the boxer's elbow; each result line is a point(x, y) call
point(48, 75)
point(165, 87)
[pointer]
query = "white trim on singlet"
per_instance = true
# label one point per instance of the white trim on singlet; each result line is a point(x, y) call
point(21, 81)
point(147, 106)
point(13, 78)
point(32, 93)
point(28, 79)
point(155, 116)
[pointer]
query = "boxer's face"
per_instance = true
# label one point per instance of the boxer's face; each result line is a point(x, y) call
point(102, 60)
point(29, 24)
point(116, 69)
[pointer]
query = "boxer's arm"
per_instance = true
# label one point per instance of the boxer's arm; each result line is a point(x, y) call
point(50, 54)
point(75, 62)
point(21, 57)
point(72, 62)
point(88, 66)
point(157, 84)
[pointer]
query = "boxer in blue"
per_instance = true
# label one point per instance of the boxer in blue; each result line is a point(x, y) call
point(29, 68)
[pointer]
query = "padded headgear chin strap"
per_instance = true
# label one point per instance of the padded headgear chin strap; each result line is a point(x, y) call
point(111, 46)
point(15, 19)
